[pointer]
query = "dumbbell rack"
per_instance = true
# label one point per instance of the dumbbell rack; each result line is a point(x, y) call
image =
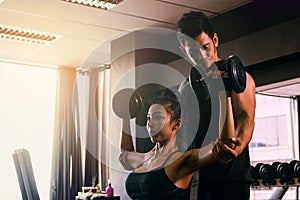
point(260, 184)
point(279, 193)
point(264, 176)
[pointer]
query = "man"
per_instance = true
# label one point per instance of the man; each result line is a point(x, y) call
point(228, 179)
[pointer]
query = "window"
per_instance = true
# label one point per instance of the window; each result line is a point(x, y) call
point(275, 137)
point(27, 107)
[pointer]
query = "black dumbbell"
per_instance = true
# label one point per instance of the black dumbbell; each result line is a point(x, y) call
point(253, 175)
point(232, 72)
point(198, 84)
point(283, 172)
point(265, 172)
point(127, 103)
point(131, 103)
point(295, 165)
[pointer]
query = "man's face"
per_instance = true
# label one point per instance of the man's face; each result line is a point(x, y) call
point(209, 48)
point(201, 51)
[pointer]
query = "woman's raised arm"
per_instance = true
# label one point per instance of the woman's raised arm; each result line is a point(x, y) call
point(126, 139)
point(129, 158)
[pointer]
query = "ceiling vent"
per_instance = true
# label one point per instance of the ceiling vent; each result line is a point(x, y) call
point(26, 35)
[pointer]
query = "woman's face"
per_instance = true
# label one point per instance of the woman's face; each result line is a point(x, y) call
point(159, 125)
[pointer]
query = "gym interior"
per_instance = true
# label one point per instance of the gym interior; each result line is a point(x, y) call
point(58, 126)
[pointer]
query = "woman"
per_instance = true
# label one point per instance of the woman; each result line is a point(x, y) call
point(164, 172)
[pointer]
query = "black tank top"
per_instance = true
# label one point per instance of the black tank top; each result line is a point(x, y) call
point(236, 171)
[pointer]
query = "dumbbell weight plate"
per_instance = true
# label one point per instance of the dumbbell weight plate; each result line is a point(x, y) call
point(127, 103)
point(257, 167)
point(266, 173)
point(295, 165)
point(146, 92)
point(253, 175)
point(237, 74)
point(283, 171)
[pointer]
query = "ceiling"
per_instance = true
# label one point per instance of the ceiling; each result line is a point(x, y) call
point(81, 29)
point(288, 88)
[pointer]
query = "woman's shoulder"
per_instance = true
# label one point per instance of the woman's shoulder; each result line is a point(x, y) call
point(172, 157)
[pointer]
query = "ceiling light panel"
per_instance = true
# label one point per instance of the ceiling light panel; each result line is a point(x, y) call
point(26, 35)
point(104, 4)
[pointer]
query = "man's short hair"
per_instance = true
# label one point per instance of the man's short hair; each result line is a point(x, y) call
point(194, 23)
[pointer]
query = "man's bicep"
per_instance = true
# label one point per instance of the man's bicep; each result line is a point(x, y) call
point(244, 103)
point(244, 112)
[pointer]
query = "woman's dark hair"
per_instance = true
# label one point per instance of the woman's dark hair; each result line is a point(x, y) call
point(194, 23)
point(170, 101)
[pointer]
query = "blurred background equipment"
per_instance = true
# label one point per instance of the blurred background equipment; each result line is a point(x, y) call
point(295, 165)
point(283, 172)
point(279, 175)
point(25, 175)
point(265, 172)
point(279, 192)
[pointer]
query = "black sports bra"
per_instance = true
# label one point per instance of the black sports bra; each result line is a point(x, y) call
point(152, 185)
